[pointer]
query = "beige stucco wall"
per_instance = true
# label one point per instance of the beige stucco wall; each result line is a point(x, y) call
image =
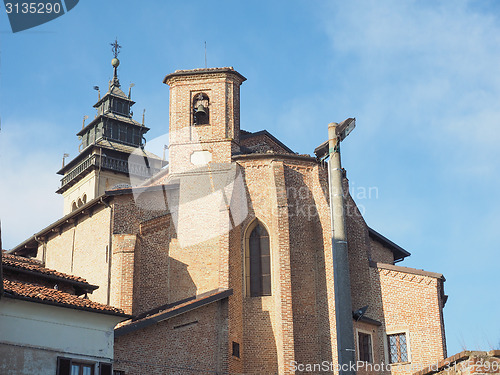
point(92, 185)
point(82, 248)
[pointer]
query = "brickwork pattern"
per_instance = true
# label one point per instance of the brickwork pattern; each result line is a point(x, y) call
point(410, 303)
point(288, 194)
point(191, 343)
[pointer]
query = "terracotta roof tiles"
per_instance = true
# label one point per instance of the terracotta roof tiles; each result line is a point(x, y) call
point(53, 296)
point(36, 266)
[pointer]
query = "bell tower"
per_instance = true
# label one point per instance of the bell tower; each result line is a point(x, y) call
point(107, 142)
point(204, 117)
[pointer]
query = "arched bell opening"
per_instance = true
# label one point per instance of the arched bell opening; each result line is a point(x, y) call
point(201, 112)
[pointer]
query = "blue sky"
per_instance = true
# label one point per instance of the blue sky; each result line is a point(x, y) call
point(422, 79)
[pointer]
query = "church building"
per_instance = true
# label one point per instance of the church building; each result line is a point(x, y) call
point(223, 257)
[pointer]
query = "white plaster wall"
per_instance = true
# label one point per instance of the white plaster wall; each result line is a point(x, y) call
point(40, 333)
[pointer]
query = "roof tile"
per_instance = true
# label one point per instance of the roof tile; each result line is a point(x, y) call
point(36, 266)
point(42, 293)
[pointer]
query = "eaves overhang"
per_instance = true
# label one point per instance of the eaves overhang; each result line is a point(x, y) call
point(183, 307)
point(32, 242)
point(398, 251)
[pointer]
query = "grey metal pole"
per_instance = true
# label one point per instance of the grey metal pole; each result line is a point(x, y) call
point(341, 279)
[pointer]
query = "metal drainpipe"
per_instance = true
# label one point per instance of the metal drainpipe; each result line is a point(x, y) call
point(341, 279)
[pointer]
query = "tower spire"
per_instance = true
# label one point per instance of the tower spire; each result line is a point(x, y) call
point(115, 62)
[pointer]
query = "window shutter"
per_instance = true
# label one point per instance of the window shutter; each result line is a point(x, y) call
point(105, 368)
point(63, 366)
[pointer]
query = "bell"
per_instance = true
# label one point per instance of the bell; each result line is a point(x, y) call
point(200, 110)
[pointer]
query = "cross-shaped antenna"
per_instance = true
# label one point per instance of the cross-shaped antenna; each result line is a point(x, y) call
point(116, 48)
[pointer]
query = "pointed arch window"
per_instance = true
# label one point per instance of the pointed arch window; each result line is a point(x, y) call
point(258, 261)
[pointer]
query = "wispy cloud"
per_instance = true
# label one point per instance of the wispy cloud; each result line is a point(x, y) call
point(426, 79)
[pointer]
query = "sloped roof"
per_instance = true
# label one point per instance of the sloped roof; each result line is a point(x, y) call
point(113, 116)
point(398, 251)
point(22, 263)
point(165, 312)
point(111, 145)
point(244, 135)
point(38, 288)
point(37, 293)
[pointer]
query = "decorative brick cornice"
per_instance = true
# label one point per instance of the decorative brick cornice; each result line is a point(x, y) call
point(206, 71)
point(407, 270)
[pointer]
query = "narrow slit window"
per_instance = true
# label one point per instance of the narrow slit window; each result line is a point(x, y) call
point(259, 262)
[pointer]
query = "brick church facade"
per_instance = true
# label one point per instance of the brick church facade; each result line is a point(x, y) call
point(224, 258)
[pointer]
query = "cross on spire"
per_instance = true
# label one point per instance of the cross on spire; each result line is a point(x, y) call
point(115, 62)
point(116, 48)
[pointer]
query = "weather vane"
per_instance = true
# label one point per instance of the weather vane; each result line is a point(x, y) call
point(115, 62)
point(116, 48)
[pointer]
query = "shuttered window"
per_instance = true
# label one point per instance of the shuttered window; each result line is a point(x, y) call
point(68, 366)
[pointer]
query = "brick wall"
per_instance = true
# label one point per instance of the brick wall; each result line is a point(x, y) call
point(152, 264)
point(221, 136)
point(192, 343)
point(409, 301)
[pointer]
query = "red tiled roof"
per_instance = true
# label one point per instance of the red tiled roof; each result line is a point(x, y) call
point(44, 294)
point(23, 263)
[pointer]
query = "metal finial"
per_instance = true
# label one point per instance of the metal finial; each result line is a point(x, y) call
point(116, 48)
point(115, 62)
point(65, 155)
point(130, 88)
point(143, 113)
point(84, 118)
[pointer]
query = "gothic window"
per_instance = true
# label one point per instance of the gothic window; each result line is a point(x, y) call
point(74, 206)
point(201, 114)
point(258, 261)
